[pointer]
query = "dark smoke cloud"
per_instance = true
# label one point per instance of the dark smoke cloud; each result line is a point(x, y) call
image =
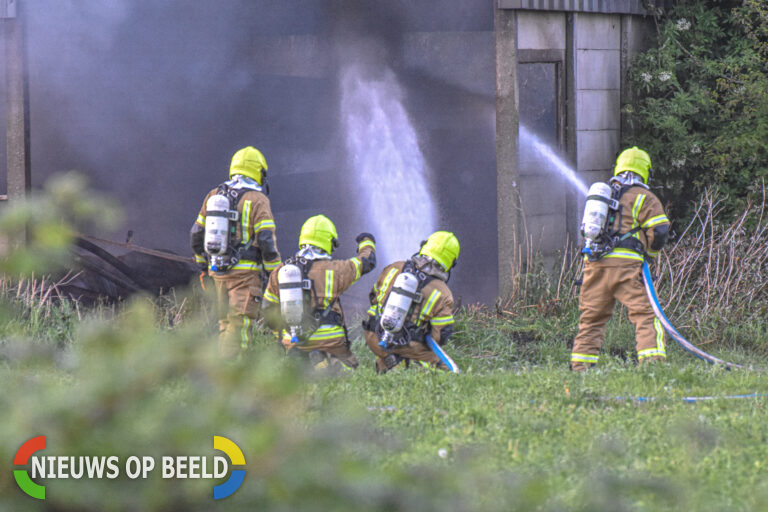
point(151, 99)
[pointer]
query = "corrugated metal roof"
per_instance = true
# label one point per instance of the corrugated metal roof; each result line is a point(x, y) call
point(599, 6)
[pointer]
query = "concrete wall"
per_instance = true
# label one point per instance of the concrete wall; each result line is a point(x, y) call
point(541, 40)
point(597, 46)
point(129, 92)
point(507, 172)
point(593, 51)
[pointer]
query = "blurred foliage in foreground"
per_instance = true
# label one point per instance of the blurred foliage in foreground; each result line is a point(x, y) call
point(145, 380)
point(35, 234)
point(515, 431)
point(129, 387)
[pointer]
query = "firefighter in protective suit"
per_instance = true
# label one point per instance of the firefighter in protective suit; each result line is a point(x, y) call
point(247, 247)
point(639, 229)
point(319, 331)
point(429, 312)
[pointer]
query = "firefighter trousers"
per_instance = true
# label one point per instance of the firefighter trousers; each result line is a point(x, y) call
point(239, 295)
point(334, 349)
point(414, 350)
point(602, 285)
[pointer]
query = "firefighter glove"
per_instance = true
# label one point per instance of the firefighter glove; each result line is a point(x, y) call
point(363, 236)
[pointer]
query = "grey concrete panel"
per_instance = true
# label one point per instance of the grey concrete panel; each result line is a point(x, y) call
point(531, 56)
point(542, 195)
point(597, 110)
point(590, 177)
point(463, 59)
point(597, 31)
point(640, 33)
point(546, 233)
point(507, 120)
point(596, 149)
point(8, 9)
point(540, 31)
point(598, 69)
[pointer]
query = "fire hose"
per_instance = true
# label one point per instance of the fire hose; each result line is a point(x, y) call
point(685, 344)
point(441, 354)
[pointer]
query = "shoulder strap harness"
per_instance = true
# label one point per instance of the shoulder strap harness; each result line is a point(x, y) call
point(237, 250)
point(612, 238)
point(410, 331)
point(314, 315)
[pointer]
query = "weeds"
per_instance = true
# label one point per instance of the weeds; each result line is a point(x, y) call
point(712, 281)
point(714, 276)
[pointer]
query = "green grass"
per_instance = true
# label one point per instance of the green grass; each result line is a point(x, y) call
point(618, 437)
point(516, 430)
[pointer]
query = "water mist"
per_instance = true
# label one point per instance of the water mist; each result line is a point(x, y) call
point(527, 138)
point(388, 166)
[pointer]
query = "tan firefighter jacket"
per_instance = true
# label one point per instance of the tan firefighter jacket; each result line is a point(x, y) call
point(434, 312)
point(255, 226)
point(640, 208)
point(330, 279)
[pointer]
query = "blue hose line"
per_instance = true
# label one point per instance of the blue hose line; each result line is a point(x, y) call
point(687, 346)
point(445, 358)
point(690, 399)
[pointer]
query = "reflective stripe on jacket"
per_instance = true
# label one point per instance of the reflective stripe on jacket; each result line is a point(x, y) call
point(640, 208)
point(330, 279)
point(436, 306)
point(255, 216)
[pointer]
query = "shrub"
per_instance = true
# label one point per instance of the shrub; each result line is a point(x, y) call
point(700, 102)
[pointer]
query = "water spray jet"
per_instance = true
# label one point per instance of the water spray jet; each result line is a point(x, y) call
point(556, 163)
point(387, 163)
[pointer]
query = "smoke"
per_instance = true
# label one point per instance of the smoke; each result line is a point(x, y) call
point(387, 161)
point(383, 152)
point(151, 99)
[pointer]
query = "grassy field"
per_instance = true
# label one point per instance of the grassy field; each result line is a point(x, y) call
point(515, 431)
point(618, 437)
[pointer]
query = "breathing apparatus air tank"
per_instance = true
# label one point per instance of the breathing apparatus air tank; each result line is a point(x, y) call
point(291, 286)
point(397, 306)
point(595, 213)
point(217, 226)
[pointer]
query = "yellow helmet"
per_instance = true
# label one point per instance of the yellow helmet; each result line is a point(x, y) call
point(634, 160)
point(443, 247)
point(249, 162)
point(320, 232)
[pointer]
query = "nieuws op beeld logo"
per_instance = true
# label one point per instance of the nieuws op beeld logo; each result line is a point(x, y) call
point(90, 468)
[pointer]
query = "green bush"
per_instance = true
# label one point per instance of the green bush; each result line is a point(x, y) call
point(700, 102)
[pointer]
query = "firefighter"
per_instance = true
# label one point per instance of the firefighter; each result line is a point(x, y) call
point(635, 228)
point(234, 241)
point(410, 301)
point(302, 299)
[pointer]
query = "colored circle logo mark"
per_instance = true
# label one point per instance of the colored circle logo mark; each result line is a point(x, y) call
point(238, 475)
point(21, 475)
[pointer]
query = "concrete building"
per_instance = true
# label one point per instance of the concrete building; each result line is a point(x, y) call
point(15, 175)
point(561, 68)
point(129, 93)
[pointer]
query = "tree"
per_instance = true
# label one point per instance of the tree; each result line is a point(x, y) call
point(700, 102)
